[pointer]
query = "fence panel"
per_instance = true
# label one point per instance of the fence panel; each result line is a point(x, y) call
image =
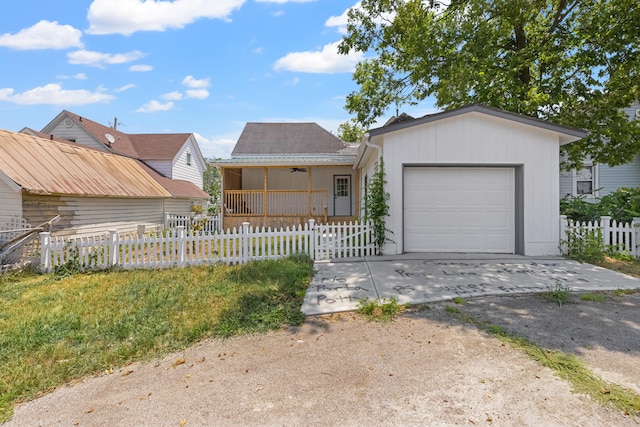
point(178, 248)
point(616, 237)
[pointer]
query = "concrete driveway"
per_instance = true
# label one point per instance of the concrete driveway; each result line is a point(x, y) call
point(339, 285)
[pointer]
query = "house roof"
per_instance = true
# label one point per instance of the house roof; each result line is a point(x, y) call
point(46, 167)
point(567, 134)
point(177, 187)
point(265, 139)
point(142, 146)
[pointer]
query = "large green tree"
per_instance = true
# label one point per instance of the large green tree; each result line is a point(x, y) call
point(575, 62)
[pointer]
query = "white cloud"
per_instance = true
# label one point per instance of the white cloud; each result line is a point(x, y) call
point(98, 59)
point(141, 68)
point(341, 21)
point(54, 94)
point(125, 87)
point(219, 146)
point(193, 83)
point(43, 35)
point(79, 76)
point(172, 96)
point(154, 106)
point(328, 60)
point(128, 16)
point(197, 93)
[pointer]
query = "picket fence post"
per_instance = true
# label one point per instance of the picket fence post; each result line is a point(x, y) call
point(635, 229)
point(113, 248)
point(244, 255)
point(182, 246)
point(605, 227)
point(312, 239)
point(45, 252)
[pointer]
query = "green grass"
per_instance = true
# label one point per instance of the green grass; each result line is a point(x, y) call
point(566, 366)
point(380, 311)
point(593, 297)
point(53, 329)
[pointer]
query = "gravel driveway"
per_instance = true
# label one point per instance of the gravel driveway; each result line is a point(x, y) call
point(425, 368)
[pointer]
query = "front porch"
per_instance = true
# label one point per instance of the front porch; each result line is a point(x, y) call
point(280, 197)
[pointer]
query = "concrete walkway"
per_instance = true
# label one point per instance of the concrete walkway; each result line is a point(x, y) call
point(339, 285)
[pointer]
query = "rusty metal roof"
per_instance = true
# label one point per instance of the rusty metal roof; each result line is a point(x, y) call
point(46, 167)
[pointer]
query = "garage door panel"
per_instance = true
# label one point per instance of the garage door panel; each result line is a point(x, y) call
point(459, 209)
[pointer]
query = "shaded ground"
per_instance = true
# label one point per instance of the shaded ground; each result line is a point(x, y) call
point(423, 369)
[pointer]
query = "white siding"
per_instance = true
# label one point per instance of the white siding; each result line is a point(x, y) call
point(90, 215)
point(182, 170)
point(177, 206)
point(633, 110)
point(481, 140)
point(77, 134)
point(10, 201)
point(163, 167)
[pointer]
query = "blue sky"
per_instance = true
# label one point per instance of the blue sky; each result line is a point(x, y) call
point(198, 66)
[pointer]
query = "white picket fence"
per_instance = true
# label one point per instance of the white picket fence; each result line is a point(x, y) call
point(618, 237)
point(211, 225)
point(178, 248)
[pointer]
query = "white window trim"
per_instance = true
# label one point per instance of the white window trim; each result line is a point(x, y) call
point(188, 158)
point(574, 181)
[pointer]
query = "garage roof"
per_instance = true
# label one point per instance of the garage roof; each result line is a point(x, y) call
point(567, 134)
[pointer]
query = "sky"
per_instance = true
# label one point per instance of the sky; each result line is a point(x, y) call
point(205, 67)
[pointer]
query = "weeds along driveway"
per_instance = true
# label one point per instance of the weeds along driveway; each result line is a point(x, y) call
point(421, 278)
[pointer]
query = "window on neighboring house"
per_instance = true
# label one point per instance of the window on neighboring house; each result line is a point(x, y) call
point(584, 181)
point(188, 159)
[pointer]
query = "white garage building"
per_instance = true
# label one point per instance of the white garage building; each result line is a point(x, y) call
point(473, 179)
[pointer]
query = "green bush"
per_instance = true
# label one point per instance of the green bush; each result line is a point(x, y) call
point(585, 246)
point(621, 205)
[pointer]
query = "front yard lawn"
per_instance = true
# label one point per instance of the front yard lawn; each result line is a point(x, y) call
point(54, 330)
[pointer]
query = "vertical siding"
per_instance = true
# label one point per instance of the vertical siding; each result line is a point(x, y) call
point(477, 139)
point(91, 215)
point(10, 200)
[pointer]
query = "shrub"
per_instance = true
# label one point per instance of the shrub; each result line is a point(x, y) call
point(621, 205)
point(585, 246)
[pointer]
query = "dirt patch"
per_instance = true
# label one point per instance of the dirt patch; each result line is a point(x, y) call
point(423, 369)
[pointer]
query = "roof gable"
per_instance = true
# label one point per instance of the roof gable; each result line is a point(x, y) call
point(286, 139)
point(567, 134)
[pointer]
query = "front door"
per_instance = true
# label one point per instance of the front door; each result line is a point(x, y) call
point(342, 195)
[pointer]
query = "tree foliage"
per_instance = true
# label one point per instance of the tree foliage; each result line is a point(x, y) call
point(351, 131)
point(575, 62)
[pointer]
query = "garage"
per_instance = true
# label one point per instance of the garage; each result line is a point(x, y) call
point(459, 209)
point(469, 180)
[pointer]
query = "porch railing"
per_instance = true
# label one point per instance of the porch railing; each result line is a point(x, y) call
point(275, 202)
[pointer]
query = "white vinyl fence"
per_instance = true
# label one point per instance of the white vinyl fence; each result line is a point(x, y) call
point(178, 248)
point(617, 237)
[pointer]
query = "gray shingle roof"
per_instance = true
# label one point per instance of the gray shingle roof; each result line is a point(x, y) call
point(286, 138)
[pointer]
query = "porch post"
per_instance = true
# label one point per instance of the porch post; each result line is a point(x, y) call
point(265, 202)
point(309, 191)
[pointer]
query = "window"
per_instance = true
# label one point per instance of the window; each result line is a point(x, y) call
point(188, 159)
point(584, 181)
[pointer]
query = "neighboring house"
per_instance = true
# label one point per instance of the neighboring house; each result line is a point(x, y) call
point(174, 160)
point(283, 174)
point(473, 179)
point(597, 180)
point(91, 190)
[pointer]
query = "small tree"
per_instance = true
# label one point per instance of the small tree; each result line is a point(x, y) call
point(350, 131)
point(376, 206)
